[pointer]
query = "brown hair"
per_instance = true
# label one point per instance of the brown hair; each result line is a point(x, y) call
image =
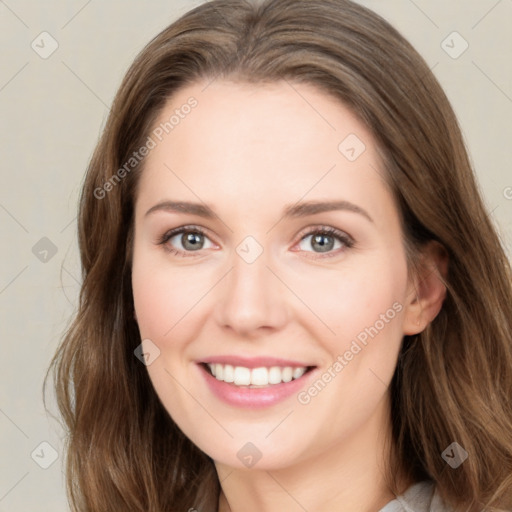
point(453, 382)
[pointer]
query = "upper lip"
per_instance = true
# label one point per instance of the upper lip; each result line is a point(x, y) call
point(253, 362)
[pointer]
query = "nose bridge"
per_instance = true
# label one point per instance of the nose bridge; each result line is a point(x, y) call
point(252, 297)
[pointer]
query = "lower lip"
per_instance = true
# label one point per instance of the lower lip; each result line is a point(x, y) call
point(254, 398)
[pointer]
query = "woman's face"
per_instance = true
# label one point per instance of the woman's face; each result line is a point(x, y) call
point(270, 280)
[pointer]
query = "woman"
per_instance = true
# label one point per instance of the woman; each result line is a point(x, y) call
point(293, 298)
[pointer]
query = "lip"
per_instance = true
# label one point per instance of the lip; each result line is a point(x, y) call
point(255, 398)
point(253, 362)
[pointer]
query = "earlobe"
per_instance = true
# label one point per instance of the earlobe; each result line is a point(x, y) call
point(427, 289)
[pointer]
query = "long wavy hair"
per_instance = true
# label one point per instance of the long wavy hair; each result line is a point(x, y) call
point(453, 381)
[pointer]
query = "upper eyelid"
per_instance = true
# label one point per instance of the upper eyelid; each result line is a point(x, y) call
point(171, 233)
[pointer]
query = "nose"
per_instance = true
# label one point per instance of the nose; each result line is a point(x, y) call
point(252, 299)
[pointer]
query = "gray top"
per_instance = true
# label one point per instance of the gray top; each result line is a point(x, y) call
point(419, 497)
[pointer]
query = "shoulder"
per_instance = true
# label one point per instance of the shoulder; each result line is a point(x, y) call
point(419, 497)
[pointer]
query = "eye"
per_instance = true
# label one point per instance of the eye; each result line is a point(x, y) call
point(188, 239)
point(325, 240)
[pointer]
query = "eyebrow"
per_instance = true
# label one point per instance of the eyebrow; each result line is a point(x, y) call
point(296, 210)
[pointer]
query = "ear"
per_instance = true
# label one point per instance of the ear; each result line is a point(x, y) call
point(426, 291)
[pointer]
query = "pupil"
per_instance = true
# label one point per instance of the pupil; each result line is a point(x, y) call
point(323, 246)
point(191, 238)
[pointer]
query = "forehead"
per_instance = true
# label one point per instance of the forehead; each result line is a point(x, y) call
point(284, 118)
point(244, 142)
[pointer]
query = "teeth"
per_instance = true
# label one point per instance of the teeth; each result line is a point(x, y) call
point(259, 377)
point(242, 376)
point(229, 373)
point(255, 377)
point(287, 374)
point(219, 370)
point(274, 375)
point(298, 372)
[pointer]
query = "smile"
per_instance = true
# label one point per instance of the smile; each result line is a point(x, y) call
point(256, 387)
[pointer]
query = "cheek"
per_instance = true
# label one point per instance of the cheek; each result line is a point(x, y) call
point(152, 302)
point(364, 308)
point(164, 296)
point(354, 298)
point(164, 300)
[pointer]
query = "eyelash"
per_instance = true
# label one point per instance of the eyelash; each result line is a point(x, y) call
point(346, 240)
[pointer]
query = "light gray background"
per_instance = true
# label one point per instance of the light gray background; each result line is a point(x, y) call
point(52, 112)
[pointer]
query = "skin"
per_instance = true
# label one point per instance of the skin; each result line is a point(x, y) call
point(293, 301)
